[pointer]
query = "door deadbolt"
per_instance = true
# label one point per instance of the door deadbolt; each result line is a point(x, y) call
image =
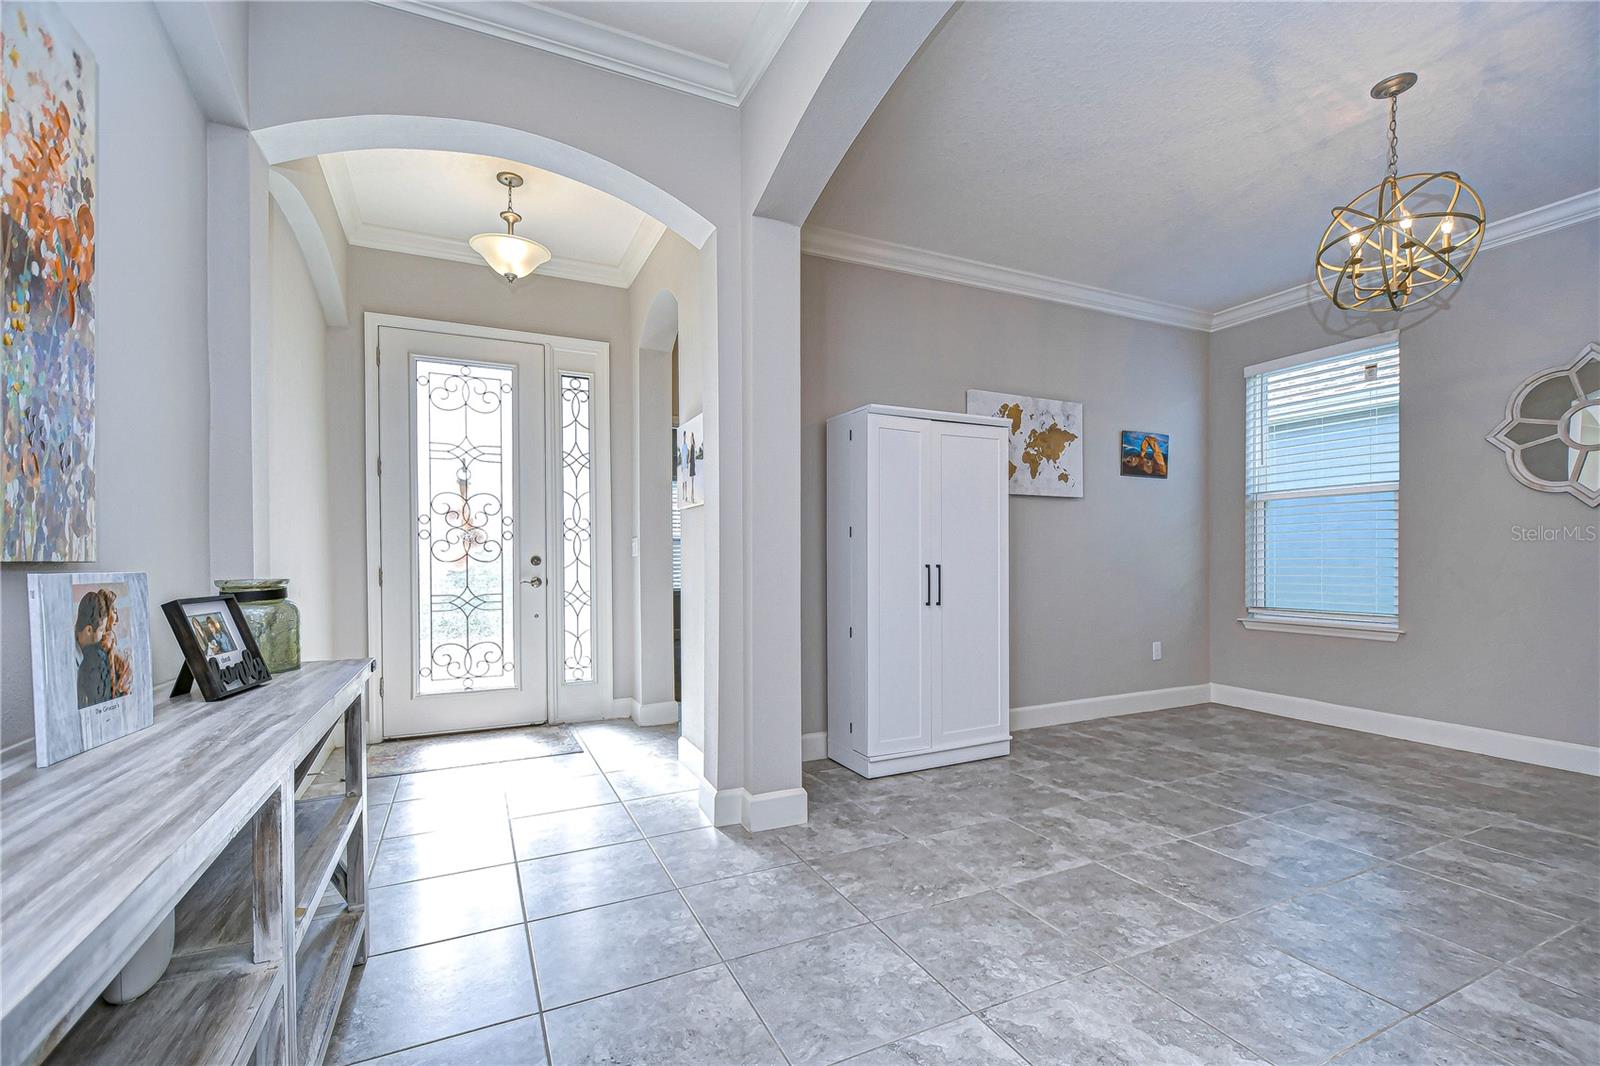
point(535, 560)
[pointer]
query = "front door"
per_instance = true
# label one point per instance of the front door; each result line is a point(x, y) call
point(462, 529)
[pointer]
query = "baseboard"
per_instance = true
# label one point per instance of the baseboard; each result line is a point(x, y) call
point(1091, 707)
point(773, 810)
point(1558, 754)
point(690, 755)
point(813, 746)
point(663, 713)
point(724, 806)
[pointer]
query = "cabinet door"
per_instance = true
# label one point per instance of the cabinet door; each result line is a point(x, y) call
point(972, 693)
point(899, 611)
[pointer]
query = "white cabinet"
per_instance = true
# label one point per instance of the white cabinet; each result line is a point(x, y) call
point(918, 671)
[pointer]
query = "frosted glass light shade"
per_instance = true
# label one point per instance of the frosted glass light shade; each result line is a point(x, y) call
point(509, 255)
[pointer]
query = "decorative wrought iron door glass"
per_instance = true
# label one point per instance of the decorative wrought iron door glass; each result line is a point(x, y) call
point(577, 528)
point(464, 453)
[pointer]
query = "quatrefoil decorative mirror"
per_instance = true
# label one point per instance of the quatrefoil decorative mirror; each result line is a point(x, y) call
point(1551, 433)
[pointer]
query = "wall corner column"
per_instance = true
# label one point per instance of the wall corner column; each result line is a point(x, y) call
point(238, 284)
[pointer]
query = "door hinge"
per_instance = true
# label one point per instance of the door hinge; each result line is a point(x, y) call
point(380, 466)
point(377, 356)
point(852, 434)
point(380, 576)
point(380, 688)
point(852, 727)
point(852, 632)
point(852, 532)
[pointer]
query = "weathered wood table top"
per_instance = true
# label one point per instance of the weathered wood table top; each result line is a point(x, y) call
point(91, 844)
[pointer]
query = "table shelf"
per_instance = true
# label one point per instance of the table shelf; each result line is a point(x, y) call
point(196, 817)
point(322, 969)
point(211, 1015)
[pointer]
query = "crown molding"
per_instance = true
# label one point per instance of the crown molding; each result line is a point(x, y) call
point(1583, 207)
point(564, 33)
point(886, 255)
point(866, 251)
point(363, 234)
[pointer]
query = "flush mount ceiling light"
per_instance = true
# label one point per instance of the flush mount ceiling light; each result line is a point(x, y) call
point(1406, 238)
point(507, 254)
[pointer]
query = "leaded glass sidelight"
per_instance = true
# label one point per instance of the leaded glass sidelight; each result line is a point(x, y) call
point(464, 454)
point(577, 528)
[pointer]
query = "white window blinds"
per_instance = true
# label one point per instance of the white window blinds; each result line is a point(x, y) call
point(677, 539)
point(1322, 484)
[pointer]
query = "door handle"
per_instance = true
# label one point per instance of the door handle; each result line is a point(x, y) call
point(533, 582)
point(939, 568)
point(927, 573)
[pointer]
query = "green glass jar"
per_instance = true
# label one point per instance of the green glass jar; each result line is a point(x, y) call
point(273, 618)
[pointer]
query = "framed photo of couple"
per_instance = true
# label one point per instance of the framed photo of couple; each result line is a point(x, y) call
point(91, 660)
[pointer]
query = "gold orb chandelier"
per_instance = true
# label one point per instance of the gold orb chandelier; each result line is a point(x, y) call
point(1406, 238)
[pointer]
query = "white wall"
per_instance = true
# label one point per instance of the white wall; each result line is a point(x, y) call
point(396, 284)
point(1501, 633)
point(151, 385)
point(674, 267)
point(1093, 580)
point(300, 526)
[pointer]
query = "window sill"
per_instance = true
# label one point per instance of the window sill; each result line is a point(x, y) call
point(1323, 627)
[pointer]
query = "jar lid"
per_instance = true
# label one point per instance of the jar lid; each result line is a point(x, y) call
point(252, 584)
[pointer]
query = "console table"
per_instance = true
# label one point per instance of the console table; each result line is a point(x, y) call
point(197, 814)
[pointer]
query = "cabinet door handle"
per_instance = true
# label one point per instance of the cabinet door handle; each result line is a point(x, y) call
point(939, 568)
point(927, 574)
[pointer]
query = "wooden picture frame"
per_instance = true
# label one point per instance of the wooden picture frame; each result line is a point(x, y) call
point(219, 651)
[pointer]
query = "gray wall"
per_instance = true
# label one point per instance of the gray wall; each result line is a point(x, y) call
point(1093, 580)
point(300, 532)
point(392, 283)
point(1500, 633)
point(151, 373)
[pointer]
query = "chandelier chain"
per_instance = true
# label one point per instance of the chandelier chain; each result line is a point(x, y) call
point(1394, 137)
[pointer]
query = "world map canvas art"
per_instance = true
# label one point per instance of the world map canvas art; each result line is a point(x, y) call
point(47, 208)
point(1046, 441)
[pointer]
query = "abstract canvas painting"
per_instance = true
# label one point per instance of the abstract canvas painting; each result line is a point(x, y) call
point(91, 660)
point(1046, 457)
point(1144, 454)
point(47, 207)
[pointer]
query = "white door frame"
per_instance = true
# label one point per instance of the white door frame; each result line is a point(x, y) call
point(566, 702)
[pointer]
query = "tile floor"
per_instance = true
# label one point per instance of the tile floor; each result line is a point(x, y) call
point(1190, 886)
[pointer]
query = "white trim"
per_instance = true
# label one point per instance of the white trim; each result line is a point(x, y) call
point(1088, 708)
point(723, 807)
point(1375, 342)
point(360, 233)
point(1583, 207)
point(374, 556)
point(761, 811)
point(314, 251)
point(690, 755)
point(886, 255)
point(1323, 626)
point(867, 251)
point(813, 746)
point(564, 33)
point(663, 713)
point(1559, 754)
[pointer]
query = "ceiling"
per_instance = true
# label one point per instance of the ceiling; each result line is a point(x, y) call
point(1186, 156)
point(714, 50)
point(430, 203)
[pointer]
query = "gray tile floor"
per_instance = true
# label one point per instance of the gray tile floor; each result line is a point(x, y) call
point(1190, 886)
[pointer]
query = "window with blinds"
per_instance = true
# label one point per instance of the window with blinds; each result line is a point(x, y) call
point(1322, 485)
point(677, 540)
